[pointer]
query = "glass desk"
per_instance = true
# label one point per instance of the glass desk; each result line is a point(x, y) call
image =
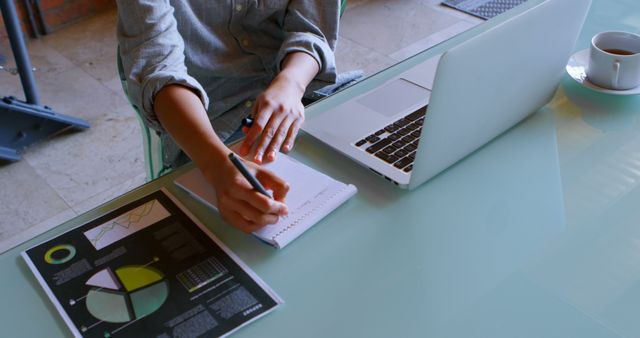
point(537, 234)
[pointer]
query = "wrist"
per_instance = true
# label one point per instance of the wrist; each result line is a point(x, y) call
point(292, 81)
point(212, 159)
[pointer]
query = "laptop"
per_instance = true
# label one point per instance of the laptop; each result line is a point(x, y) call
point(417, 124)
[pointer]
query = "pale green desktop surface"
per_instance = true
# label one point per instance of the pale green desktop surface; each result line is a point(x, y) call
point(535, 235)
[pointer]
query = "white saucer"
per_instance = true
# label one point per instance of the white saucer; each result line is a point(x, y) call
point(577, 69)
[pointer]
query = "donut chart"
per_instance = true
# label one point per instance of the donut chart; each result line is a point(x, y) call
point(60, 254)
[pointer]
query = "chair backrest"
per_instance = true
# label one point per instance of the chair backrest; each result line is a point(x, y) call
point(151, 141)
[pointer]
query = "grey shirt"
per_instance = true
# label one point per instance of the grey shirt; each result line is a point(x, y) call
point(226, 51)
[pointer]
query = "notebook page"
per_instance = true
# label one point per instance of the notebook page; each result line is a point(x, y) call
point(305, 182)
point(312, 196)
point(307, 214)
point(309, 193)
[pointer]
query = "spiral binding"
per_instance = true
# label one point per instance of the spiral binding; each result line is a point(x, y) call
point(319, 206)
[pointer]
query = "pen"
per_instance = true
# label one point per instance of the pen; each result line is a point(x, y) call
point(247, 122)
point(243, 170)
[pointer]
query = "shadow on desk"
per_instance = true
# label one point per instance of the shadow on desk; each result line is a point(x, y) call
point(605, 112)
point(600, 137)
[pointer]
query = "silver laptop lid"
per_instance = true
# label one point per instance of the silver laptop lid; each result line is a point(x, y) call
point(484, 86)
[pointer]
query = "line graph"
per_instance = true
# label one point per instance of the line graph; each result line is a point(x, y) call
point(126, 224)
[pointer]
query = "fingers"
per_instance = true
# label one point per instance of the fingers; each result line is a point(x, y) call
point(248, 209)
point(268, 134)
point(275, 127)
point(262, 114)
point(291, 135)
point(244, 215)
point(242, 206)
point(274, 183)
point(250, 213)
point(239, 222)
point(260, 202)
point(278, 139)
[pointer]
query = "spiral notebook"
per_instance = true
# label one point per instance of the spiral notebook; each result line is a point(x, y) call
point(313, 195)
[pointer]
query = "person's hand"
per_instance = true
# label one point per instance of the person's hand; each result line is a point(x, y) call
point(181, 112)
point(277, 116)
point(242, 206)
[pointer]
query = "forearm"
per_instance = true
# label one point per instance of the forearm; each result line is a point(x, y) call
point(181, 113)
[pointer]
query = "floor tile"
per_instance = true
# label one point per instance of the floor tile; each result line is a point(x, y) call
point(431, 40)
point(354, 3)
point(353, 56)
point(82, 164)
point(110, 194)
point(26, 199)
point(74, 92)
point(397, 24)
point(86, 40)
point(92, 46)
point(10, 85)
point(102, 67)
point(43, 58)
point(35, 230)
point(115, 86)
point(65, 87)
point(105, 70)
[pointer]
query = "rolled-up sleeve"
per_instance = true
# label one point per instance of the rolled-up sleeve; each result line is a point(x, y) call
point(152, 54)
point(312, 27)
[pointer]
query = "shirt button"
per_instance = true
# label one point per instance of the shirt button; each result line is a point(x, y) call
point(248, 104)
point(238, 7)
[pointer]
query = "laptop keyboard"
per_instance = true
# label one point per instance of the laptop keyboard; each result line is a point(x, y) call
point(396, 143)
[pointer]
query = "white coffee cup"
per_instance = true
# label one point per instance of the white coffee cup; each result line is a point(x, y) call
point(614, 61)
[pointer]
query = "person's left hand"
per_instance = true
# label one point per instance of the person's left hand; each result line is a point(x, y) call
point(277, 116)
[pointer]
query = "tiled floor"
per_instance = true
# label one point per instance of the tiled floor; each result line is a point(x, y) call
point(76, 75)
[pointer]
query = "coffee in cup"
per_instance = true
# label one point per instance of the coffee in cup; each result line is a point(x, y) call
point(614, 60)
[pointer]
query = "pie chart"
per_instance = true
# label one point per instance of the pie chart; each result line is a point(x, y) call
point(128, 293)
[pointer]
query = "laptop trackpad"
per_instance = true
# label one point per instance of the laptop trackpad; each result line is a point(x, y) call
point(394, 97)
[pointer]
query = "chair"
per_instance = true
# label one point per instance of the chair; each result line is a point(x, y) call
point(151, 140)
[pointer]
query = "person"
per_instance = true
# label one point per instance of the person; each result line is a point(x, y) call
point(194, 69)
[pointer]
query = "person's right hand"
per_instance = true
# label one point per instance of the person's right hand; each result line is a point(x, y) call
point(242, 206)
